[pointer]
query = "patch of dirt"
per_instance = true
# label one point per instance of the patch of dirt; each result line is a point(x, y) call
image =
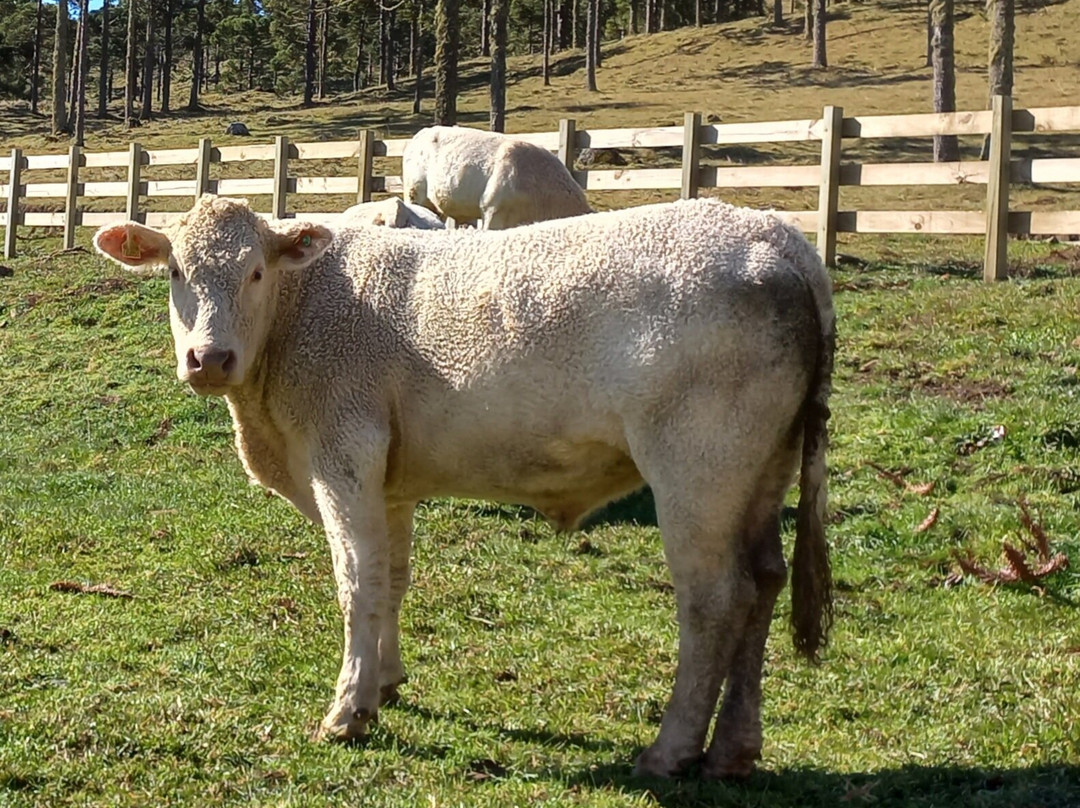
point(965, 391)
point(105, 286)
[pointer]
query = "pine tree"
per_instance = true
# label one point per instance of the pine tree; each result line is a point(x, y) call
point(103, 63)
point(1002, 14)
point(60, 70)
point(820, 59)
point(309, 55)
point(82, 57)
point(446, 61)
point(500, 10)
point(590, 45)
point(946, 148)
point(146, 109)
point(131, 69)
point(197, 56)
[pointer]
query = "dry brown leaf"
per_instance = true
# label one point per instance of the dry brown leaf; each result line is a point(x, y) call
point(922, 489)
point(929, 521)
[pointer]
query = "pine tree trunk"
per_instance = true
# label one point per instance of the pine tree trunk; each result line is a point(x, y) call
point(598, 25)
point(545, 64)
point(946, 148)
point(418, 58)
point(309, 56)
point(390, 51)
point(575, 39)
point(324, 24)
point(485, 28)
point(808, 19)
point(103, 64)
point(500, 11)
point(633, 5)
point(1002, 15)
point(146, 110)
point(820, 58)
point(35, 80)
point(662, 14)
point(697, 13)
point(73, 67)
point(83, 72)
point(778, 13)
point(167, 63)
point(131, 68)
point(59, 76)
point(197, 56)
point(590, 46)
point(358, 67)
point(446, 61)
point(929, 35)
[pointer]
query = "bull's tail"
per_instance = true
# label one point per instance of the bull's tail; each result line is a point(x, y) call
point(811, 577)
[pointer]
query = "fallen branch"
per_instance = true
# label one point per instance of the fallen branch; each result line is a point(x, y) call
point(89, 589)
point(897, 479)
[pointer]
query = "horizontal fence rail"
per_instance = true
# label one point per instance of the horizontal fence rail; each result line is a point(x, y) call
point(689, 177)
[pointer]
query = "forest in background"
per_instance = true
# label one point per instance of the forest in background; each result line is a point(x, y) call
point(155, 57)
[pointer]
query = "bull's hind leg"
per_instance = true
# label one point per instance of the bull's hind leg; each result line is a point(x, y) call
point(701, 494)
point(736, 741)
point(399, 519)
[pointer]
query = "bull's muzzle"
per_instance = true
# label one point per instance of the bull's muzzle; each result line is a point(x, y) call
point(209, 368)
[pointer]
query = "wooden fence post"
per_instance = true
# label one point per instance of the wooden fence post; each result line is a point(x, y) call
point(691, 154)
point(134, 183)
point(281, 176)
point(71, 201)
point(996, 260)
point(364, 162)
point(13, 196)
point(567, 143)
point(832, 123)
point(202, 167)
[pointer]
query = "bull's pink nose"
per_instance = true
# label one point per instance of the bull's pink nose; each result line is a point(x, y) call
point(211, 362)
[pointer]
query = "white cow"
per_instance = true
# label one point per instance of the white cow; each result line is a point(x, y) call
point(503, 182)
point(561, 365)
point(393, 212)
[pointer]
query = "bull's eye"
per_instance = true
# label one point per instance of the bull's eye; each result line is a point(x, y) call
point(257, 274)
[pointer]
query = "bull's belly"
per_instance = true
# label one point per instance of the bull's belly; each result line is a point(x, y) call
point(563, 479)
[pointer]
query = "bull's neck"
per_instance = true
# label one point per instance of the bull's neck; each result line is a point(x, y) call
point(268, 346)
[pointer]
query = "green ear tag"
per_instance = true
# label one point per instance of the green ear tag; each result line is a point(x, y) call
point(306, 240)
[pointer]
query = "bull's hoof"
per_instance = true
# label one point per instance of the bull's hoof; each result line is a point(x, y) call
point(389, 695)
point(342, 726)
point(730, 765)
point(654, 762)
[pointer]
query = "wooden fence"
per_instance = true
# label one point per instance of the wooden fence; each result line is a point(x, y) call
point(996, 221)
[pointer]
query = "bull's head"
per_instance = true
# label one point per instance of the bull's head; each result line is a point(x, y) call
point(226, 266)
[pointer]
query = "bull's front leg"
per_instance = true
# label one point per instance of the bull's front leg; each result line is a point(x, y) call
point(348, 490)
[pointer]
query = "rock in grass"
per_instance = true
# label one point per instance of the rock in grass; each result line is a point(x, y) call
point(236, 128)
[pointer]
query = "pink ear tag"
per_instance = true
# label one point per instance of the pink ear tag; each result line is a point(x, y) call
point(130, 247)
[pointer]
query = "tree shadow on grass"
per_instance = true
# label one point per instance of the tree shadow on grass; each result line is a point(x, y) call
point(908, 786)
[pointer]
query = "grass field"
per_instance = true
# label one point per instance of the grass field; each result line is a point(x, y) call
point(540, 662)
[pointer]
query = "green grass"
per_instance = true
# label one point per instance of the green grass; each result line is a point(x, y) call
point(539, 664)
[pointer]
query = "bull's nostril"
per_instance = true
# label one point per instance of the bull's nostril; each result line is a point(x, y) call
point(229, 363)
point(193, 362)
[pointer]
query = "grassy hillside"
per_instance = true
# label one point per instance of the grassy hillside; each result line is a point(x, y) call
point(735, 71)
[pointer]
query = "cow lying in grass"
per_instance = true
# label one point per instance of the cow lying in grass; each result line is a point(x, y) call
point(685, 345)
point(468, 174)
point(392, 212)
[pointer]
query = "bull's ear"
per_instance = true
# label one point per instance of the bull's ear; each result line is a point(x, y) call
point(297, 244)
point(133, 244)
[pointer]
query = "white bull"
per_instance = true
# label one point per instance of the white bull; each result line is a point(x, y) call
point(686, 345)
point(466, 174)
